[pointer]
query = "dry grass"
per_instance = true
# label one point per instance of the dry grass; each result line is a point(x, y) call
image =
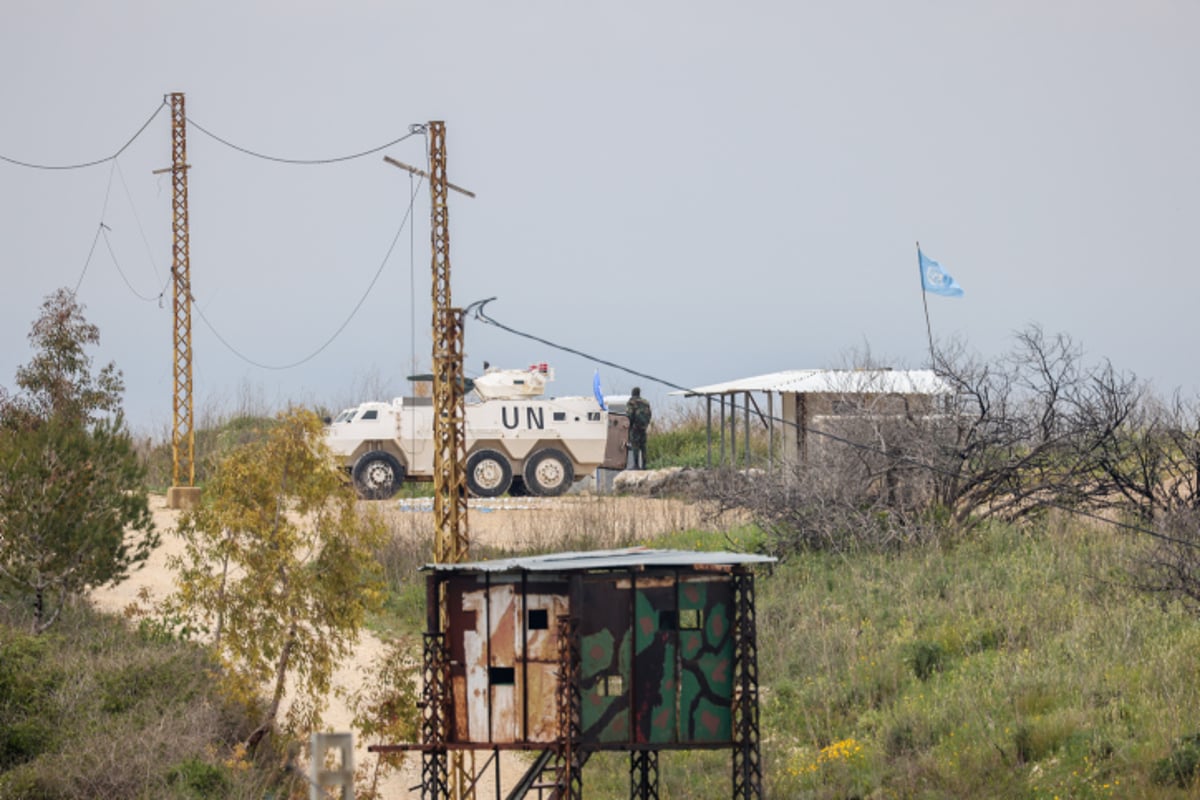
point(539, 525)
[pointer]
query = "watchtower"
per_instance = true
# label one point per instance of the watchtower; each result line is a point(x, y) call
point(635, 650)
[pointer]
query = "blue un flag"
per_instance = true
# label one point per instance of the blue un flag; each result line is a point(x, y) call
point(597, 391)
point(936, 280)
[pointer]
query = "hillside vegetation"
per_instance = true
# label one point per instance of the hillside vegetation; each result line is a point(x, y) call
point(991, 593)
point(1004, 661)
point(97, 708)
point(1008, 662)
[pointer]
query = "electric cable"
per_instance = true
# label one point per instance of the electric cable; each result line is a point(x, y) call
point(477, 309)
point(87, 262)
point(141, 229)
point(99, 230)
point(336, 333)
point(86, 164)
point(104, 229)
point(412, 315)
point(413, 131)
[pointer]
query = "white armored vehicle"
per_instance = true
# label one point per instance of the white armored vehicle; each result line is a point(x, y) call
point(517, 440)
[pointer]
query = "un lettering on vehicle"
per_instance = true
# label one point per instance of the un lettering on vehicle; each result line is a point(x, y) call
point(535, 418)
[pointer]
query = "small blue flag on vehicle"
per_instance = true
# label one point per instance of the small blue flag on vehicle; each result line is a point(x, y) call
point(596, 391)
point(936, 280)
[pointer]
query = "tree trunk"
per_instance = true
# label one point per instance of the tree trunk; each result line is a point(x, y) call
point(281, 667)
point(39, 609)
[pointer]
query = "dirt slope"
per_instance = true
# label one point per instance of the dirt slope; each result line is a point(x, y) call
point(578, 522)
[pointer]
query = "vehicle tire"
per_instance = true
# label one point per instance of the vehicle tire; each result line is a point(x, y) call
point(518, 487)
point(488, 474)
point(548, 473)
point(377, 475)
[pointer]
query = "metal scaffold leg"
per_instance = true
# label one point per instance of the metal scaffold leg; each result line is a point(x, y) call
point(643, 775)
point(747, 764)
point(569, 771)
point(435, 775)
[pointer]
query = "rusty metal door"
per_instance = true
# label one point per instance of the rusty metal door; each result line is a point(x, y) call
point(616, 452)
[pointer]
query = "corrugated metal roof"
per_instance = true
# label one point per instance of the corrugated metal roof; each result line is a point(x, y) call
point(630, 558)
point(833, 381)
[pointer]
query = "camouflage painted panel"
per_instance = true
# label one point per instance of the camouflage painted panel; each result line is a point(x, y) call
point(606, 642)
point(655, 686)
point(663, 673)
point(706, 661)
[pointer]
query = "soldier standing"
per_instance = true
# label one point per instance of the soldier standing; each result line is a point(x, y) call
point(638, 410)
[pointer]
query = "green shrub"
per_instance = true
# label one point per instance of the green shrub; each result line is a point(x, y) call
point(925, 658)
point(23, 740)
point(1183, 764)
point(67, 697)
point(200, 779)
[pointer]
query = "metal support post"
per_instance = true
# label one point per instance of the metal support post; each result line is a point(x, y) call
point(747, 764)
point(183, 435)
point(569, 704)
point(643, 775)
point(435, 771)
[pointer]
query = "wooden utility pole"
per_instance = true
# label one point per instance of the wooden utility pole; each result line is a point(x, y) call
point(182, 493)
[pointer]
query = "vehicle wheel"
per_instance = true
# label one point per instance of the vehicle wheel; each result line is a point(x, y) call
point(548, 473)
point(518, 487)
point(488, 474)
point(377, 475)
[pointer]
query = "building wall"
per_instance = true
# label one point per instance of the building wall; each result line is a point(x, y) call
point(504, 658)
point(842, 414)
point(656, 656)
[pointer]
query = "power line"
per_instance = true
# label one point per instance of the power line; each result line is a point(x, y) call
point(137, 219)
point(86, 164)
point(104, 229)
point(477, 309)
point(99, 229)
point(87, 262)
point(413, 131)
point(342, 327)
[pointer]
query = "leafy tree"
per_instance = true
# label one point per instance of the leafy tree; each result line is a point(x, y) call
point(73, 508)
point(279, 564)
point(384, 707)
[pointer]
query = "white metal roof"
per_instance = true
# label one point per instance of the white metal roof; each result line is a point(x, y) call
point(833, 381)
point(629, 558)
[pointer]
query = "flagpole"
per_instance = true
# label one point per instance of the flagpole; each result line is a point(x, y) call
point(925, 304)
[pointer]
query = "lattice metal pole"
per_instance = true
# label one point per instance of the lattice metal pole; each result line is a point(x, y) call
point(183, 437)
point(435, 777)
point(450, 487)
point(569, 707)
point(747, 764)
point(643, 775)
point(451, 542)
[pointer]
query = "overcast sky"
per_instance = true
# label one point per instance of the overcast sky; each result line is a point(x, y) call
point(698, 190)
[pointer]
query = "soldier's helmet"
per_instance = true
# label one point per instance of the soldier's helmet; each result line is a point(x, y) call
point(637, 391)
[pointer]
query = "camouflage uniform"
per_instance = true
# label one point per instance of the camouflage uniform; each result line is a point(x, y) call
point(638, 411)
